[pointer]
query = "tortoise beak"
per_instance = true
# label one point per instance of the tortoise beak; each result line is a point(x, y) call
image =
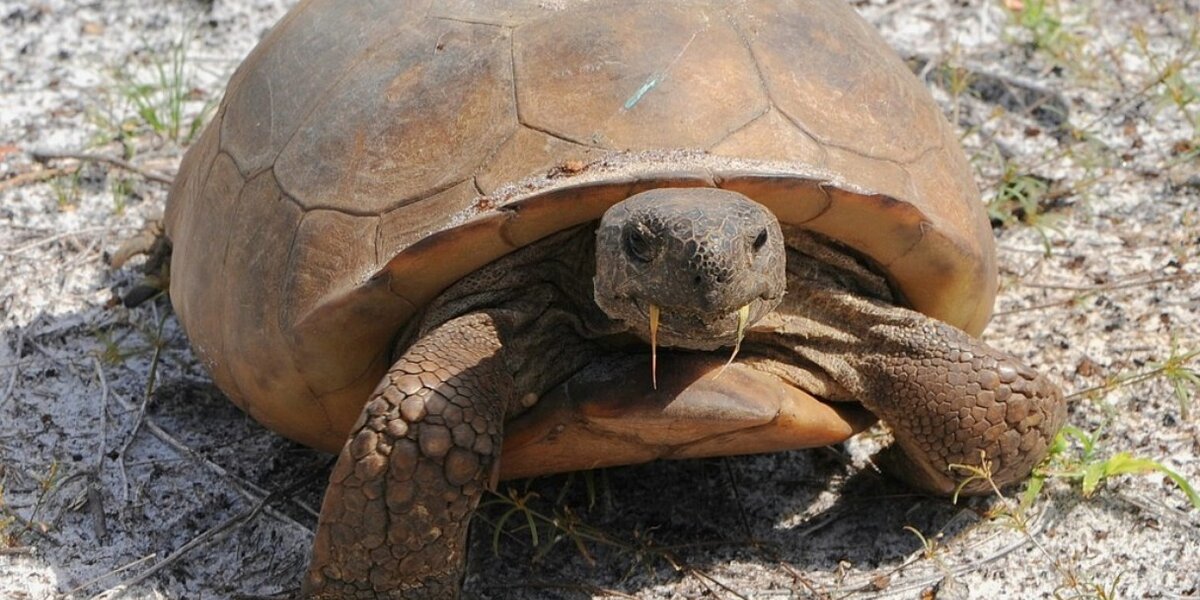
point(654, 314)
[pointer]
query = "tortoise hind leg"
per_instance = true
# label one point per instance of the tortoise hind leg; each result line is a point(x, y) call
point(152, 241)
point(395, 516)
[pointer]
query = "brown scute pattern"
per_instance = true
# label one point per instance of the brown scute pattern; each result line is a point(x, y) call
point(504, 13)
point(401, 228)
point(940, 182)
point(299, 62)
point(636, 77)
point(530, 147)
point(773, 137)
point(394, 519)
point(417, 115)
point(198, 269)
point(251, 302)
point(326, 256)
point(179, 216)
point(374, 111)
point(892, 118)
point(872, 176)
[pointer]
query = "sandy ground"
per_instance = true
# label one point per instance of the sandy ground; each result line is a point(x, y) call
point(123, 472)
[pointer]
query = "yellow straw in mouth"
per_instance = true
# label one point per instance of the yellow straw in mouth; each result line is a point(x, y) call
point(654, 346)
point(743, 317)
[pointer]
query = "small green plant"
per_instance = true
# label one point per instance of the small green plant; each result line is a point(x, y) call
point(66, 190)
point(1171, 75)
point(160, 100)
point(1021, 198)
point(1042, 22)
point(8, 537)
point(122, 189)
point(1081, 461)
point(1016, 515)
point(1184, 379)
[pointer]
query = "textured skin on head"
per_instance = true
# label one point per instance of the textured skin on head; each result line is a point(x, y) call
point(699, 254)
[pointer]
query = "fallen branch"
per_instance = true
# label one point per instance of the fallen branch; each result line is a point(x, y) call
point(45, 155)
point(35, 176)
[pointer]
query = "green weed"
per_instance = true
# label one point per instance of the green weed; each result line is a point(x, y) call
point(1073, 584)
point(159, 97)
point(1082, 462)
point(13, 527)
point(122, 189)
point(1184, 379)
point(1023, 198)
point(66, 190)
point(1044, 30)
point(1170, 75)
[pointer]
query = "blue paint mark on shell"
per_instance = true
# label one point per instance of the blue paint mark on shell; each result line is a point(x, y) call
point(637, 96)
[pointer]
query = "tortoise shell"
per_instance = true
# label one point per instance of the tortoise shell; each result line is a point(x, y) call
point(369, 154)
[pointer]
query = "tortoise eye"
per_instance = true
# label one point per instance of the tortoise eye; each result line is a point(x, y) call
point(640, 243)
point(760, 241)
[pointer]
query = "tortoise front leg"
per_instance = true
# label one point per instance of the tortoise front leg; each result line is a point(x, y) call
point(395, 517)
point(951, 399)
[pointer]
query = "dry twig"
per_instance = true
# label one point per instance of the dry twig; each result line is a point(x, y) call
point(46, 155)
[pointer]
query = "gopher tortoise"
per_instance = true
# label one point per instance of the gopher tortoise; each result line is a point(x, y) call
point(462, 240)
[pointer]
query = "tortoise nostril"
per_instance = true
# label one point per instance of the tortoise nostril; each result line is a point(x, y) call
point(698, 280)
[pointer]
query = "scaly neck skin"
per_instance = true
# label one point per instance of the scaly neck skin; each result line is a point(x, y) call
point(554, 327)
point(814, 338)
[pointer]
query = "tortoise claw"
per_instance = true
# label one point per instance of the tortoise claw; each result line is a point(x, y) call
point(152, 242)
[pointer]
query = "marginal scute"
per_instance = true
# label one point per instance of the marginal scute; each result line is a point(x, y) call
point(529, 152)
point(895, 226)
point(871, 176)
point(794, 200)
point(402, 227)
point(249, 329)
point(325, 256)
point(193, 282)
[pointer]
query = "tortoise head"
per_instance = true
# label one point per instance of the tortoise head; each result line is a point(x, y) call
point(692, 267)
